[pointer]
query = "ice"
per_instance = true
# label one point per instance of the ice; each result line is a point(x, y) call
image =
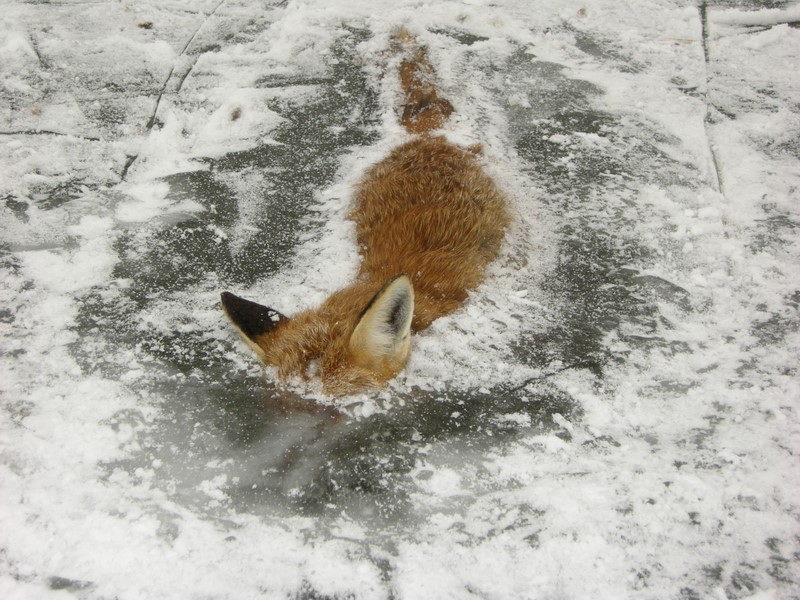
point(613, 413)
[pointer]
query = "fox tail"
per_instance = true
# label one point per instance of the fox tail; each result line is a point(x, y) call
point(423, 109)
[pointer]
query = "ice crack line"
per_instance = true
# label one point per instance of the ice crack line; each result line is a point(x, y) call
point(151, 121)
point(590, 365)
point(711, 112)
point(49, 132)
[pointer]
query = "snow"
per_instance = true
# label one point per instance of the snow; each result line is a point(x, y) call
point(612, 414)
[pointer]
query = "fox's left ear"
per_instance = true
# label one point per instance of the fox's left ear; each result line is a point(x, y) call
point(251, 319)
point(381, 337)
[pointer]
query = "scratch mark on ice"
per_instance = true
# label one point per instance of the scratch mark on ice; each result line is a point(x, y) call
point(151, 121)
point(711, 112)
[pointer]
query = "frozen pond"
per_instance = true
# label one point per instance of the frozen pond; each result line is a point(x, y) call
point(614, 413)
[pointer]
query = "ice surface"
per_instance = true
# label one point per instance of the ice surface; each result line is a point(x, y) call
point(612, 414)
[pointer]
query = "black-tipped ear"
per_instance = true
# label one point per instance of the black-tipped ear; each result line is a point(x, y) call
point(250, 318)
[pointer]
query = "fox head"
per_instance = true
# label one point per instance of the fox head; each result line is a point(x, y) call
point(359, 337)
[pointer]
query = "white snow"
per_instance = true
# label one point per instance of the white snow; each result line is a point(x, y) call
point(612, 414)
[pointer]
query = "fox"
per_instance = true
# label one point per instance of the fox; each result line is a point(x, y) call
point(428, 222)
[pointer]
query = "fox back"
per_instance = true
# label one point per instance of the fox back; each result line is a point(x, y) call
point(428, 220)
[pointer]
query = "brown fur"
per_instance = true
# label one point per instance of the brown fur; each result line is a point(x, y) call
point(423, 110)
point(427, 210)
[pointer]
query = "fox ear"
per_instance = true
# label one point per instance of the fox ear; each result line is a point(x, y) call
point(250, 318)
point(381, 337)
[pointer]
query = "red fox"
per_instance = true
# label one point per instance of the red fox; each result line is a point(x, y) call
point(428, 222)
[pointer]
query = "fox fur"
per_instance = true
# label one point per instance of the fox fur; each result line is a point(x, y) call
point(428, 221)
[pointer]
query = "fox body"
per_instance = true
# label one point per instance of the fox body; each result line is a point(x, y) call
point(428, 222)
